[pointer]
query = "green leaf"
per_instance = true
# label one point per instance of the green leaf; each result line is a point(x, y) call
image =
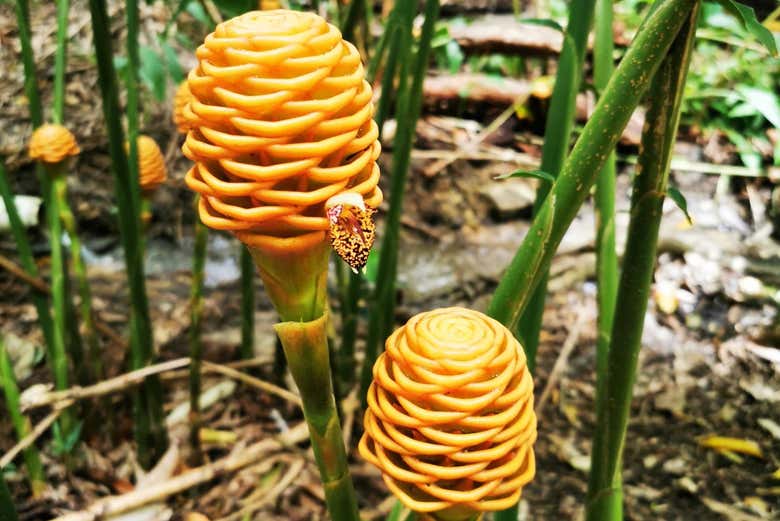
point(64, 445)
point(679, 199)
point(763, 101)
point(747, 16)
point(172, 61)
point(538, 174)
point(545, 22)
point(152, 72)
point(454, 56)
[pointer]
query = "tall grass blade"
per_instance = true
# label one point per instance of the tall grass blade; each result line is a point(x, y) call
point(27, 260)
point(606, 255)
point(21, 423)
point(248, 306)
point(196, 345)
point(7, 508)
point(408, 108)
point(650, 184)
point(127, 195)
point(557, 135)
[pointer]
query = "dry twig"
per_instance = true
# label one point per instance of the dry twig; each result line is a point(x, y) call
point(239, 458)
point(560, 363)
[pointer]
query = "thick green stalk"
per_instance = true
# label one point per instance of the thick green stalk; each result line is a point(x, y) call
point(407, 112)
point(59, 61)
point(650, 182)
point(247, 304)
point(85, 294)
point(7, 508)
point(27, 260)
point(196, 345)
point(59, 294)
point(581, 168)
point(557, 134)
point(306, 347)
point(149, 429)
point(21, 423)
point(606, 255)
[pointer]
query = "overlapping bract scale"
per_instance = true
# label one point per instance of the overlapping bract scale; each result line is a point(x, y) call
point(151, 164)
point(52, 143)
point(280, 120)
point(450, 421)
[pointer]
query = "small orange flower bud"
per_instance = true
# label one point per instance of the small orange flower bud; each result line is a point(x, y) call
point(450, 419)
point(280, 121)
point(151, 164)
point(180, 101)
point(52, 143)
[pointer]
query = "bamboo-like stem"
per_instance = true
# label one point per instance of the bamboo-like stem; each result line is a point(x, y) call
point(407, 112)
point(196, 345)
point(82, 280)
point(557, 134)
point(7, 508)
point(248, 305)
point(580, 169)
point(606, 254)
point(306, 347)
point(59, 62)
point(650, 182)
point(59, 294)
point(27, 260)
point(149, 429)
point(21, 424)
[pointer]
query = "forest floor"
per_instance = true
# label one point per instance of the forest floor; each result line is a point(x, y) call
point(709, 364)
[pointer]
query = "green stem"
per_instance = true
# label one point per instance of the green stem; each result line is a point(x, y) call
point(306, 347)
point(407, 112)
point(82, 280)
point(58, 292)
point(7, 508)
point(580, 169)
point(557, 135)
point(349, 323)
point(650, 182)
point(27, 260)
point(28, 59)
point(150, 433)
point(196, 346)
point(59, 61)
point(247, 304)
point(21, 424)
point(606, 255)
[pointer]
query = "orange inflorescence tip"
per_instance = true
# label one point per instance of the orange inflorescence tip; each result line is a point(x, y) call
point(180, 101)
point(280, 121)
point(151, 164)
point(450, 421)
point(52, 143)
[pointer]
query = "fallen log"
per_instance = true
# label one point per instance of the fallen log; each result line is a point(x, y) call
point(482, 88)
point(505, 34)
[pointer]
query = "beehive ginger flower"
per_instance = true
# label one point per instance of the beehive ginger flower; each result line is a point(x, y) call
point(180, 101)
point(281, 121)
point(52, 143)
point(151, 164)
point(450, 420)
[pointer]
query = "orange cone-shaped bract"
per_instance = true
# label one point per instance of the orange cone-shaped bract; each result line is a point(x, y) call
point(450, 422)
point(151, 164)
point(52, 143)
point(280, 120)
point(180, 101)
